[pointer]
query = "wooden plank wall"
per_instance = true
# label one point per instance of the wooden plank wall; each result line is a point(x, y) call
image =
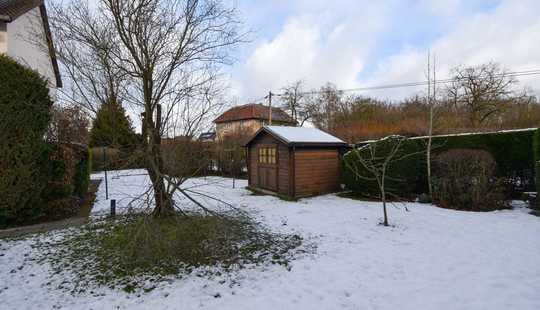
point(317, 171)
point(283, 169)
point(282, 159)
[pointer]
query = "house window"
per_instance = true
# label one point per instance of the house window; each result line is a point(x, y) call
point(267, 155)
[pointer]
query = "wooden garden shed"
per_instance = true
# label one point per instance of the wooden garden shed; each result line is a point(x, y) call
point(294, 162)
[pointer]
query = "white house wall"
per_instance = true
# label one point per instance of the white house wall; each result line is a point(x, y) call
point(20, 46)
point(3, 38)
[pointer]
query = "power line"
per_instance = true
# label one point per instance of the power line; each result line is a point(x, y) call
point(419, 83)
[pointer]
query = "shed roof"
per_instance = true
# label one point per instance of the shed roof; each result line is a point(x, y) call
point(253, 111)
point(301, 136)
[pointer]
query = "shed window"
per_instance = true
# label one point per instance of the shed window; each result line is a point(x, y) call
point(267, 155)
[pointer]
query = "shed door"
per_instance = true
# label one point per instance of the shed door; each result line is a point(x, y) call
point(268, 168)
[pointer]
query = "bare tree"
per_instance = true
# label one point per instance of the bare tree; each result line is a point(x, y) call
point(481, 90)
point(295, 102)
point(372, 163)
point(164, 57)
point(68, 124)
point(84, 46)
point(324, 105)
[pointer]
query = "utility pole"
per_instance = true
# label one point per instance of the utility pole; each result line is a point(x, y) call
point(270, 108)
point(432, 93)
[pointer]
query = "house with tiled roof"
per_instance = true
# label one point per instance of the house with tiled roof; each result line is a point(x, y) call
point(25, 36)
point(247, 119)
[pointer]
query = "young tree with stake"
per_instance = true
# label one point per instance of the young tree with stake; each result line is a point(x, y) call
point(372, 162)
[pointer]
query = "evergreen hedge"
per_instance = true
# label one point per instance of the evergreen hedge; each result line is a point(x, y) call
point(81, 180)
point(34, 174)
point(512, 151)
point(536, 146)
point(24, 117)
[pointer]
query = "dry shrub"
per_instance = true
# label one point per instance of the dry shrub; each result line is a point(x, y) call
point(230, 154)
point(105, 158)
point(465, 179)
point(184, 157)
point(69, 176)
point(67, 155)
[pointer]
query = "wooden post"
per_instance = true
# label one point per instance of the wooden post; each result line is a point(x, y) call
point(113, 207)
point(270, 108)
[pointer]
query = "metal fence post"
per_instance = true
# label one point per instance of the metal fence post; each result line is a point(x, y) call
point(113, 207)
point(105, 169)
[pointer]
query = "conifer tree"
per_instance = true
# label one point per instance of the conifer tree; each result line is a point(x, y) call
point(112, 127)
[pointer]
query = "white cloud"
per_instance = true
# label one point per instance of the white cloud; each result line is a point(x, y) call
point(315, 46)
point(508, 35)
point(336, 43)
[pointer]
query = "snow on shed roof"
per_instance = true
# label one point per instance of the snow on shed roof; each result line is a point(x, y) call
point(303, 135)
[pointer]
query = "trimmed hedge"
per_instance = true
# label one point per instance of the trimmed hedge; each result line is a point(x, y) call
point(512, 151)
point(36, 176)
point(69, 177)
point(24, 116)
point(402, 175)
point(81, 180)
point(536, 147)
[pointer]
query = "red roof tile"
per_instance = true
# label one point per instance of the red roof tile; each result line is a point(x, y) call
point(253, 111)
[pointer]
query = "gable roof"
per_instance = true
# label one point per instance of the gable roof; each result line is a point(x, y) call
point(254, 111)
point(10, 10)
point(300, 136)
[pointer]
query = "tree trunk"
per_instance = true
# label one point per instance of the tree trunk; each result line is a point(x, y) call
point(164, 205)
point(383, 196)
point(385, 223)
point(163, 200)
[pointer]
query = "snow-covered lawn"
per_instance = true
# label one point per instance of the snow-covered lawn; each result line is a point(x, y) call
point(432, 259)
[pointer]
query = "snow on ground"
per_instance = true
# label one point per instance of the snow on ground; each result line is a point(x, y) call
point(432, 259)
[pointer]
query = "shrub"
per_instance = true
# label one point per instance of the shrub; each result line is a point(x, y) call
point(511, 151)
point(24, 117)
point(183, 157)
point(230, 154)
point(81, 179)
point(62, 161)
point(466, 179)
point(536, 149)
point(69, 177)
point(403, 176)
point(116, 158)
point(68, 124)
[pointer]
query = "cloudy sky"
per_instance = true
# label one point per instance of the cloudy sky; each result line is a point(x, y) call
point(358, 43)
